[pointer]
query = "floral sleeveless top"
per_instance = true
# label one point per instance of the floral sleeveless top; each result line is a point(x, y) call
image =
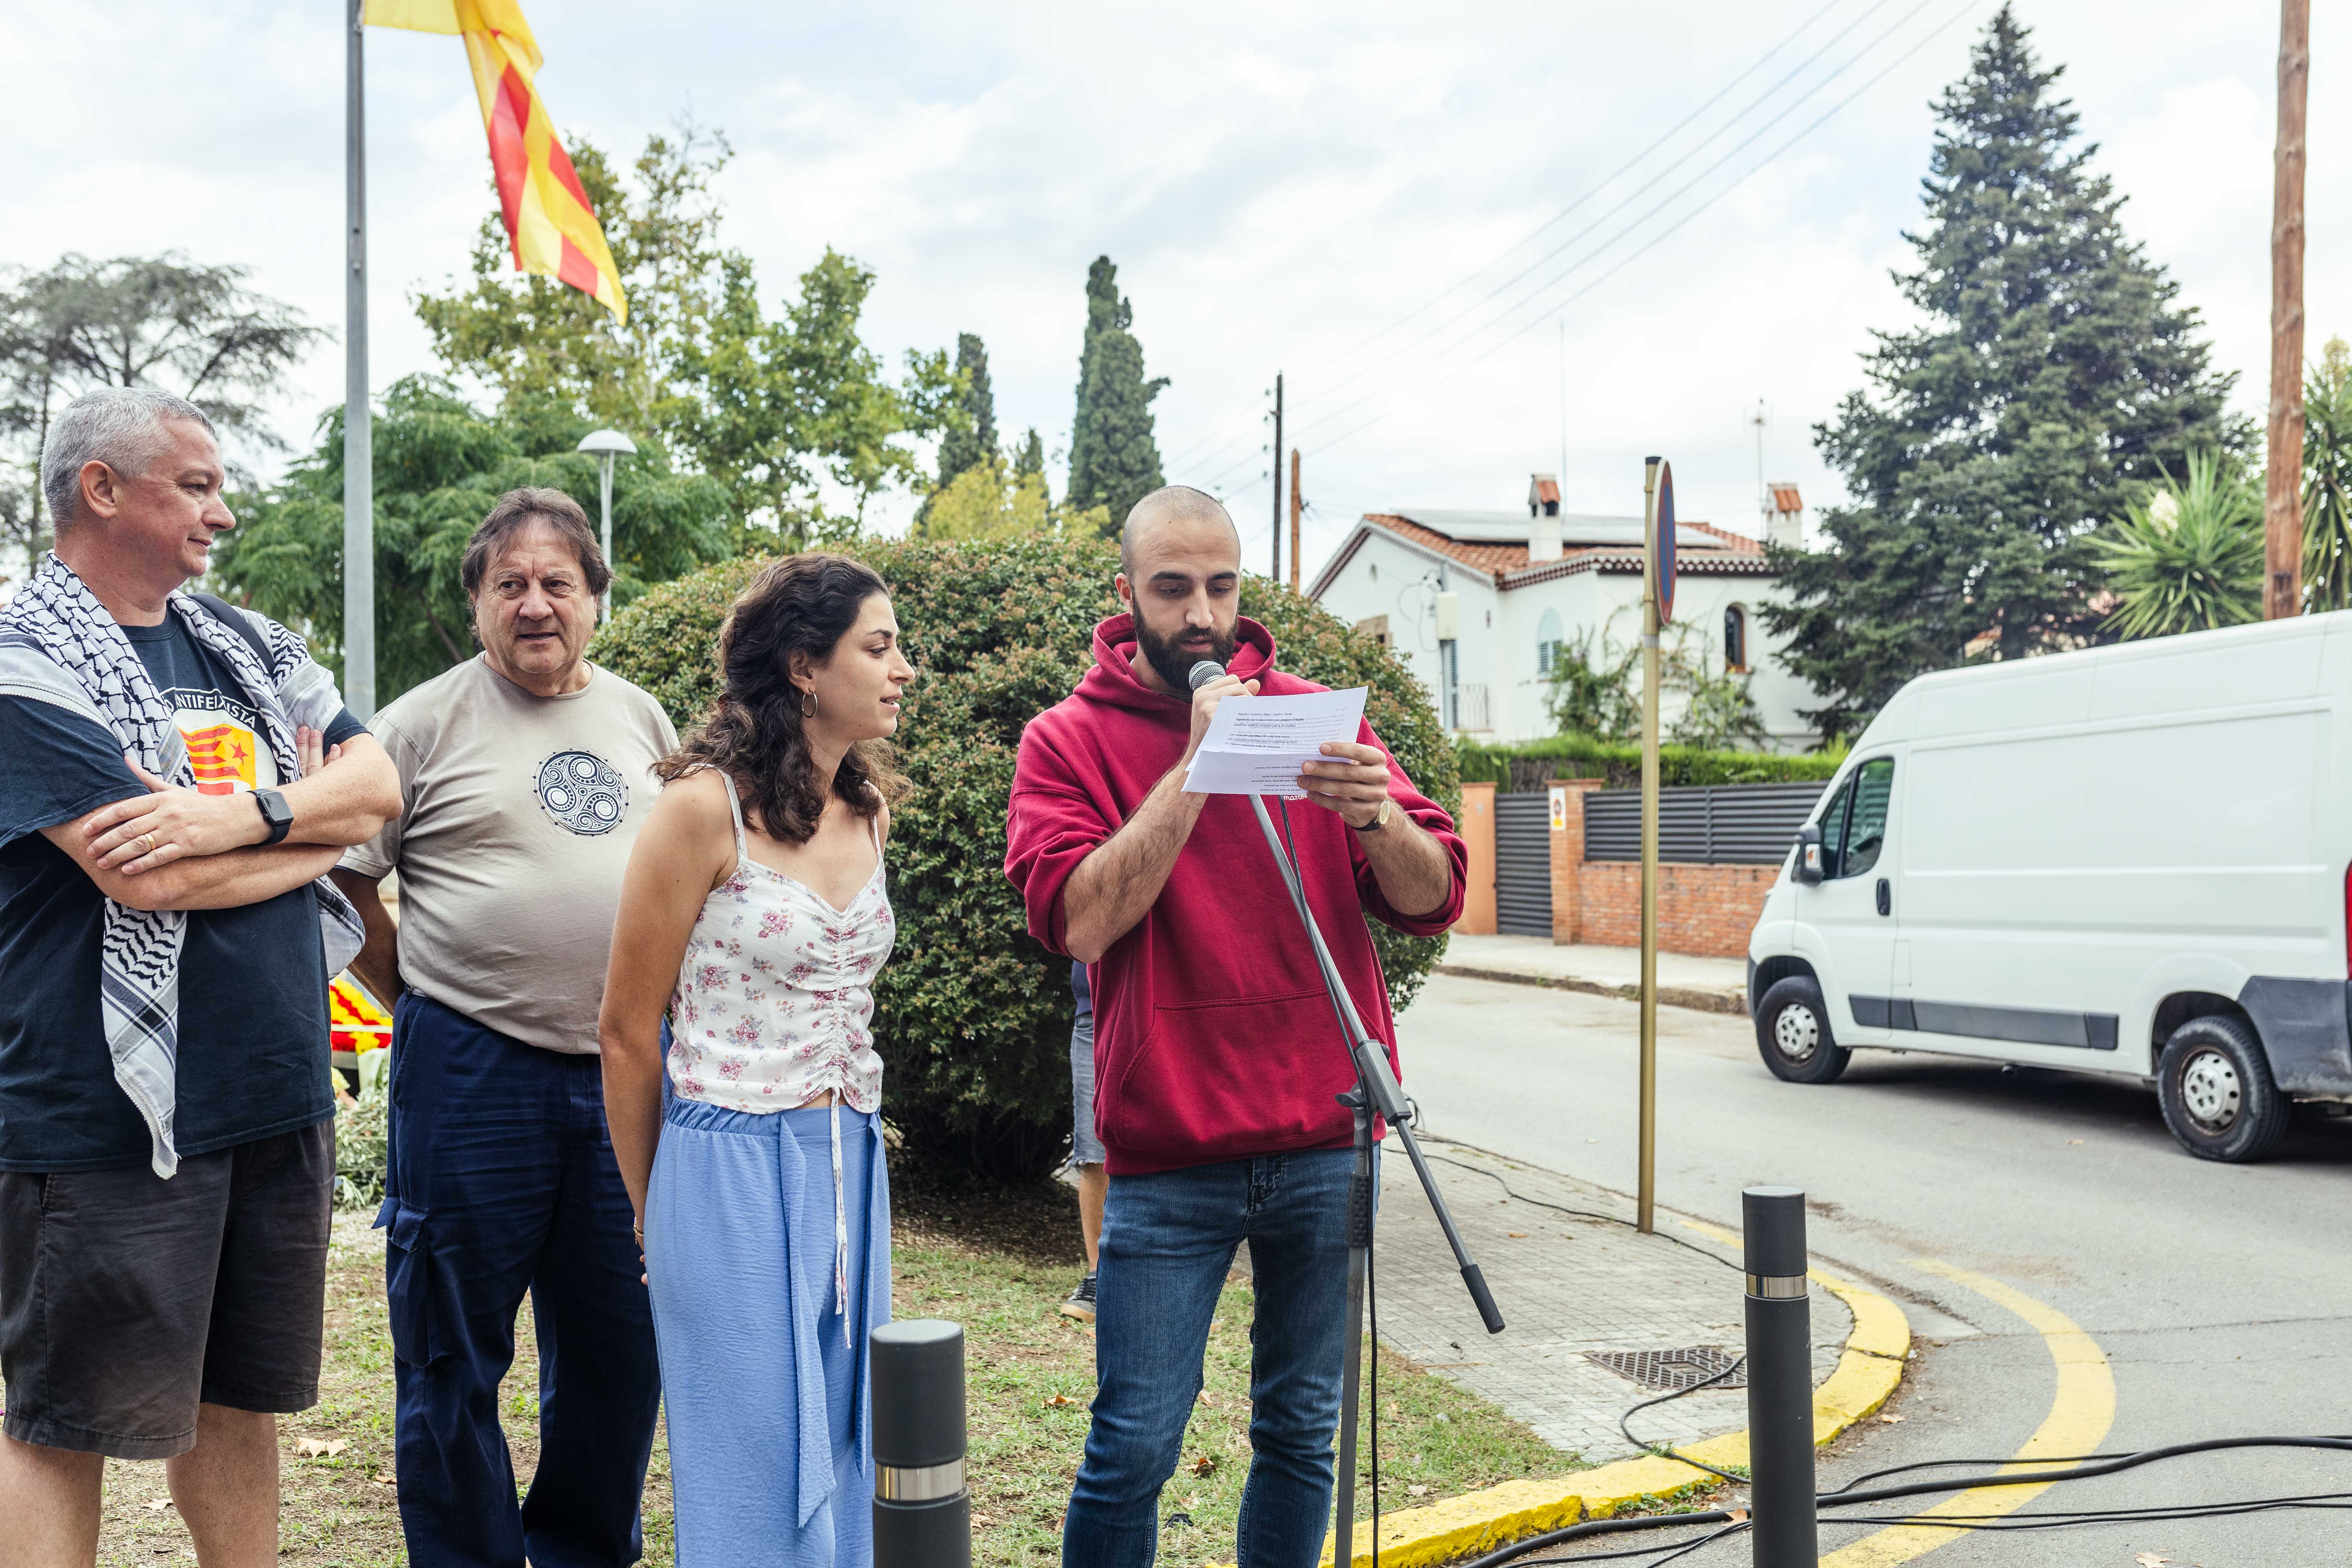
point(775, 995)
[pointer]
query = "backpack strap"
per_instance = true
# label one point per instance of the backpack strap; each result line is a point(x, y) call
point(223, 612)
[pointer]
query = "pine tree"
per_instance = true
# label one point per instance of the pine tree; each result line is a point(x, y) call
point(2054, 379)
point(960, 449)
point(1114, 461)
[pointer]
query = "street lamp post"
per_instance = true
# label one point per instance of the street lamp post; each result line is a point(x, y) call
point(607, 445)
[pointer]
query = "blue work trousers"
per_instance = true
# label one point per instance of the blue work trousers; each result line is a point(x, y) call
point(502, 1180)
point(1168, 1241)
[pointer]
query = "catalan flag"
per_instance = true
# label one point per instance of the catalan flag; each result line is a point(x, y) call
point(550, 224)
point(222, 758)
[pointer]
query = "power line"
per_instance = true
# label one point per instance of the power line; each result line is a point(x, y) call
point(1660, 237)
point(1190, 452)
point(1628, 230)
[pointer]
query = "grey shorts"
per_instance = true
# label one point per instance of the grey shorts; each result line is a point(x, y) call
point(1085, 1149)
point(126, 1300)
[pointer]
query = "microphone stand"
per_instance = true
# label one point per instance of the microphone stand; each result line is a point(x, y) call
point(1376, 1093)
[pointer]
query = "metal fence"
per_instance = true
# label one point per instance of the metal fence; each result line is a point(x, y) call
point(1726, 824)
point(1523, 865)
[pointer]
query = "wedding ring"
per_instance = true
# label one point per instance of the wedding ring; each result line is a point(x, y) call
point(146, 844)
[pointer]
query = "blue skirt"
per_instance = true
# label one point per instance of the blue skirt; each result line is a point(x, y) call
point(763, 1375)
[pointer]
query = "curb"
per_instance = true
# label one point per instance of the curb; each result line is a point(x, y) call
point(1868, 1372)
point(1691, 997)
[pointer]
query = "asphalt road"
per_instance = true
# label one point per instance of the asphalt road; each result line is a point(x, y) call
point(2221, 1295)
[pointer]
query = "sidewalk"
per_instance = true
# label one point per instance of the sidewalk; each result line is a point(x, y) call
point(1710, 985)
point(1570, 1289)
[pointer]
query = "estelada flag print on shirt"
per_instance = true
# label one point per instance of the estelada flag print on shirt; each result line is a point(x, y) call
point(224, 748)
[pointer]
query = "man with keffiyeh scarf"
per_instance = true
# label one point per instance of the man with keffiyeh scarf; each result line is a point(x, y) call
point(178, 777)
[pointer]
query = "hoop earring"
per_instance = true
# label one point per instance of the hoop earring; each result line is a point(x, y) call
point(808, 704)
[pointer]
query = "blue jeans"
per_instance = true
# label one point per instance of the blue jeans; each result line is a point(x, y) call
point(1168, 1241)
point(502, 1180)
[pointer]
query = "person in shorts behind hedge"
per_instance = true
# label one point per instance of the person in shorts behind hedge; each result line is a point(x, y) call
point(757, 916)
point(1085, 1149)
point(1219, 1059)
point(178, 777)
point(526, 773)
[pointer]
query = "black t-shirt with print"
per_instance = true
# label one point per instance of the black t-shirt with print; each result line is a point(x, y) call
point(253, 983)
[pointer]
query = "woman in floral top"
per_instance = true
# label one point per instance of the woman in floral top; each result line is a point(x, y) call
point(755, 916)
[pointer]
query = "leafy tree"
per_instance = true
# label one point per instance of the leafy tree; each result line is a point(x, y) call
point(1030, 458)
point(770, 408)
point(1114, 460)
point(1596, 689)
point(440, 464)
point(163, 322)
point(1596, 694)
point(2053, 376)
point(974, 439)
point(2327, 480)
point(2191, 557)
point(993, 499)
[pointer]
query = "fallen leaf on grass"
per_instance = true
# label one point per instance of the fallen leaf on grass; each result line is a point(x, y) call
point(1418, 1491)
point(1058, 1401)
point(158, 1505)
point(1206, 1465)
point(315, 1448)
point(388, 1481)
point(1739, 1516)
point(1206, 1400)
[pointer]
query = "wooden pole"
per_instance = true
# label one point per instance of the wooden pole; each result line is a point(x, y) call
point(2283, 492)
point(1275, 572)
point(1646, 1195)
point(1295, 504)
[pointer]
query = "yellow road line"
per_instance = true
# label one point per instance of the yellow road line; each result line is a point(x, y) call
point(2081, 1411)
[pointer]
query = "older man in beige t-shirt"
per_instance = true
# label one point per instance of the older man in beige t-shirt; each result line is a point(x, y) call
point(525, 774)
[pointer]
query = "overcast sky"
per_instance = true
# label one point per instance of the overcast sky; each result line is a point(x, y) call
point(1337, 192)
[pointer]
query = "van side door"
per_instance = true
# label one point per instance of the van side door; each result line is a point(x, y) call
point(1845, 922)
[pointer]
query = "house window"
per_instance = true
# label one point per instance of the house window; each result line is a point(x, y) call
point(1735, 639)
point(1549, 636)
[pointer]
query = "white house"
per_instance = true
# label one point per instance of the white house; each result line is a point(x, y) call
point(1479, 604)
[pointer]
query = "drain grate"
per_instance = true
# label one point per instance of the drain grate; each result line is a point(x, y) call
point(1675, 1369)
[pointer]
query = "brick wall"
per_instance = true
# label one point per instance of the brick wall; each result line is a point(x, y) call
point(1707, 911)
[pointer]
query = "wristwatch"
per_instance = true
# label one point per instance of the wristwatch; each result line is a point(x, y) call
point(276, 813)
point(1379, 818)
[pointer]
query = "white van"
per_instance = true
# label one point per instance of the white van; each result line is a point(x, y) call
point(2130, 860)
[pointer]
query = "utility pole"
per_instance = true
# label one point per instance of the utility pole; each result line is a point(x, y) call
point(1295, 504)
point(359, 449)
point(2283, 492)
point(1763, 498)
point(1276, 575)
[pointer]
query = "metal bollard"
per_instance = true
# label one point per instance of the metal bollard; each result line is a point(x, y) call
point(1780, 1379)
point(922, 1515)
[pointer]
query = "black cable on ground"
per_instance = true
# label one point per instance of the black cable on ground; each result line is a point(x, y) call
point(1676, 1393)
point(1427, 1137)
point(1519, 1551)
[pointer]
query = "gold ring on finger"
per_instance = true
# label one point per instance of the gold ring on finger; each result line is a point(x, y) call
point(146, 844)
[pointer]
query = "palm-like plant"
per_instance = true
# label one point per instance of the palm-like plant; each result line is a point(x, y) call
point(2327, 480)
point(2189, 557)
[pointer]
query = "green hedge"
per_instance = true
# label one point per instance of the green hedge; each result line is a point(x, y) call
point(1529, 764)
point(972, 1015)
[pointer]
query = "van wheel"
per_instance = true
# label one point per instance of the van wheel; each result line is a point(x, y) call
point(1792, 1033)
point(2214, 1083)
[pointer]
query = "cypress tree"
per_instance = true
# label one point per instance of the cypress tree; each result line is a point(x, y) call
point(1030, 456)
point(2053, 378)
point(960, 449)
point(1114, 460)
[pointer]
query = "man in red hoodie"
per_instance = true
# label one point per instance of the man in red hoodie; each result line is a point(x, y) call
point(1217, 1059)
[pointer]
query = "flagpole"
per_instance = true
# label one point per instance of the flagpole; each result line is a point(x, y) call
point(359, 447)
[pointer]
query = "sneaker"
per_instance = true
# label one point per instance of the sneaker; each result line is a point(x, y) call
point(1081, 1304)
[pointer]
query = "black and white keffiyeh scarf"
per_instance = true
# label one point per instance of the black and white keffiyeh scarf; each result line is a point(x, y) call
point(58, 645)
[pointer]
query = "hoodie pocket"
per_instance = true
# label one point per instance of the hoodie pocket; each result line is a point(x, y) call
point(414, 1283)
point(1218, 1080)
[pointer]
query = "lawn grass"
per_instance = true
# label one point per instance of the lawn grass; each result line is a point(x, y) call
point(998, 1262)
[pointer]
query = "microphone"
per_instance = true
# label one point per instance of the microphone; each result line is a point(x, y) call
point(1206, 671)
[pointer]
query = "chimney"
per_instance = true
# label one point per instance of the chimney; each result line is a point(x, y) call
point(1543, 517)
point(1785, 523)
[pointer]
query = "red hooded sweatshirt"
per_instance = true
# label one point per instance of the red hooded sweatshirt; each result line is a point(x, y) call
point(1214, 1039)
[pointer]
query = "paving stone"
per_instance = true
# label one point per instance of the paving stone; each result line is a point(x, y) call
point(1567, 1285)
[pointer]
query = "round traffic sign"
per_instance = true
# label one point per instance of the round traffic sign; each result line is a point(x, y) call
point(1663, 543)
